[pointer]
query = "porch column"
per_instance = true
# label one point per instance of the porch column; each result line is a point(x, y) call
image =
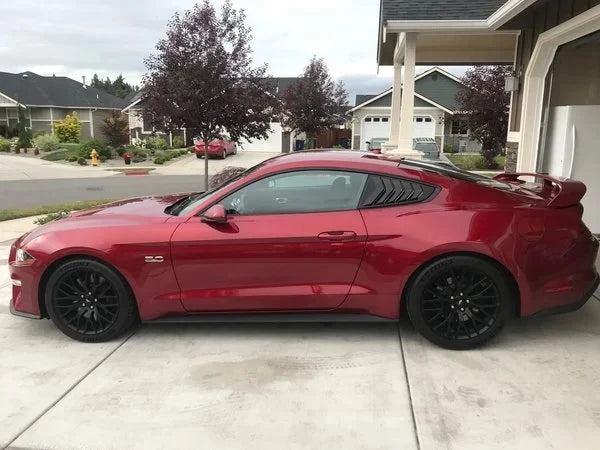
point(407, 109)
point(396, 102)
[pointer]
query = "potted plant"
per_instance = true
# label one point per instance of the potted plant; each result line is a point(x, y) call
point(127, 158)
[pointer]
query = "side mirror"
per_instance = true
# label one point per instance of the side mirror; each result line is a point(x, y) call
point(215, 214)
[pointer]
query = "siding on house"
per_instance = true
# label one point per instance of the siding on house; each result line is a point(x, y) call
point(440, 89)
point(533, 22)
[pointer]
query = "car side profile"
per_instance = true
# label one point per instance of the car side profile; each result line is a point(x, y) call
point(220, 148)
point(324, 235)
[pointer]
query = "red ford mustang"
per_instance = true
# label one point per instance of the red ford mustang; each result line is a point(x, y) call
point(317, 236)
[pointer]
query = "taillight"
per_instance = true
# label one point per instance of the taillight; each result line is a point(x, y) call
point(532, 228)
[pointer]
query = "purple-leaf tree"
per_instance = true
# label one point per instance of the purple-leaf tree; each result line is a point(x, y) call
point(314, 102)
point(485, 106)
point(202, 78)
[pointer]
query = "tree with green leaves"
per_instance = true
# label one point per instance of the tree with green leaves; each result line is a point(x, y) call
point(24, 131)
point(119, 87)
point(203, 78)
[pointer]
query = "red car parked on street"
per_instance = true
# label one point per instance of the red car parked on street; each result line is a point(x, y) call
point(327, 235)
point(220, 148)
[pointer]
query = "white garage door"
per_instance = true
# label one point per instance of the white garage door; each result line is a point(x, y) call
point(271, 144)
point(375, 127)
point(378, 127)
point(424, 126)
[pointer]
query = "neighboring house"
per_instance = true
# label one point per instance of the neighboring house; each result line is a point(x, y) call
point(554, 47)
point(279, 140)
point(46, 100)
point(435, 109)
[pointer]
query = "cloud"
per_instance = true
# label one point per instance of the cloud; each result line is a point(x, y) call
point(81, 37)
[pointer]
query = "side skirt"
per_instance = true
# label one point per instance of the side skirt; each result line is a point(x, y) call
point(272, 318)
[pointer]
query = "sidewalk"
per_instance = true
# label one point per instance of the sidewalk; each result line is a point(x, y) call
point(14, 168)
point(10, 230)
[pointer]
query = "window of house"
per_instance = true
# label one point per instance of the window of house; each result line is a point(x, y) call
point(459, 127)
point(427, 119)
point(147, 123)
point(368, 119)
point(419, 119)
point(385, 119)
point(303, 191)
point(376, 119)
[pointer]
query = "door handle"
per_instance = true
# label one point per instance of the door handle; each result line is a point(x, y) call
point(337, 235)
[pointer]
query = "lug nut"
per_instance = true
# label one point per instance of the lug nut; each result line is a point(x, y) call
point(462, 309)
point(83, 304)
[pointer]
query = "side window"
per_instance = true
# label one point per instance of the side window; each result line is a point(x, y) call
point(298, 192)
point(389, 191)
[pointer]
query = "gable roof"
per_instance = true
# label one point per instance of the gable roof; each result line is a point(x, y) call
point(31, 89)
point(439, 94)
point(439, 9)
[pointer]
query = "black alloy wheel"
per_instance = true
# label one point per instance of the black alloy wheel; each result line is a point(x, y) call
point(89, 301)
point(459, 302)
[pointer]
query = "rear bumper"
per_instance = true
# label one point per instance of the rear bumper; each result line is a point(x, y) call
point(571, 307)
point(14, 312)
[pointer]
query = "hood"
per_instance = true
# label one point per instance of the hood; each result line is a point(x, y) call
point(141, 206)
point(132, 212)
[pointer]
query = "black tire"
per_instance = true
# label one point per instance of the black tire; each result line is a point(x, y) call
point(199, 156)
point(459, 302)
point(89, 301)
point(224, 154)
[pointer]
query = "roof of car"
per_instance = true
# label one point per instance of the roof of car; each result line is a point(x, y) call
point(331, 156)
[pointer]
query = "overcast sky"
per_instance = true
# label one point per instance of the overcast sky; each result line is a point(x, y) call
point(108, 37)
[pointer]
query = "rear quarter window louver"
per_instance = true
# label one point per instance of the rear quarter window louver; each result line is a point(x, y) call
point(388, 191)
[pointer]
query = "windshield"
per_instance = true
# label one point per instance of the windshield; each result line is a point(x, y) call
point(187, 204)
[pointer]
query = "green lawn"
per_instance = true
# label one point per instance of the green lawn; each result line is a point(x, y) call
point(9, 214)
point(473, 162)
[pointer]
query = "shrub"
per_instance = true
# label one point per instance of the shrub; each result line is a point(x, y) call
point(68, 129)
point(156, 143)
point(225, 175)
point(99, 145)
point(138, 159)
point(74, 147)
point(139, 152)
point(72, 158)
point(4, 145)
point(116, 128)
point(159, 160)
point(183, 152)
point(178, 142)
point(57, 155)
point(46, 143)
point(82, 161)
point(24, 132)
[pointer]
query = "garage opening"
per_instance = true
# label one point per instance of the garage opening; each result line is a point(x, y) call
point(570, 133)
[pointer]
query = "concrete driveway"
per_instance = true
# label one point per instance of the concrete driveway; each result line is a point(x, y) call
point(299, 386)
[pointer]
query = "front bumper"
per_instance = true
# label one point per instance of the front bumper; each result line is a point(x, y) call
point(14, 312)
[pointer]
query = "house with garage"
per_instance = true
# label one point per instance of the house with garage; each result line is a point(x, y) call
point(554, 49)
point(45, 100)
point(435, 114)
point(278, 140)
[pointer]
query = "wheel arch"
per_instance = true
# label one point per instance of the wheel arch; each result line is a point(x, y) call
point(508, 275)
point(63, 259)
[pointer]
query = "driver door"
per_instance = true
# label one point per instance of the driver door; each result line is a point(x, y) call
point(292, 241)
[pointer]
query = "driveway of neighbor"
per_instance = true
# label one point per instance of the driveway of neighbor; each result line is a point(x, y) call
point(299, 386)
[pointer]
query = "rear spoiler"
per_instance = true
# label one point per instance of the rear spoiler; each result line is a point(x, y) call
point(559, 192)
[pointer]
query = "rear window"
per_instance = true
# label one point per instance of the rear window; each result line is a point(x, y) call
point(457, 173)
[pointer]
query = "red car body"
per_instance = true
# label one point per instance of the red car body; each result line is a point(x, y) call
point(220, 148)
point(357, 261)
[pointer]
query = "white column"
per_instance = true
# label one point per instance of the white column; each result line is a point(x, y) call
point(405, 138)
point(91, 123)
point(170, 139)
point(396, 102)
point(185, 137)
point(52, 120)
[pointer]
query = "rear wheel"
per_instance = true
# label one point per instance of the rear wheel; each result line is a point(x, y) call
point(89, 301)
point(459, 302)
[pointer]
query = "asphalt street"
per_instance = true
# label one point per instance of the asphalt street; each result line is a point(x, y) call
point(31, 193)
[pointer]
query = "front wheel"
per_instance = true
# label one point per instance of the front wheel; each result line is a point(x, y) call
point(90, 302)
point(459, 302)
point(224, 154)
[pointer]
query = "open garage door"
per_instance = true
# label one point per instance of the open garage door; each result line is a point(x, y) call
point(272, 144)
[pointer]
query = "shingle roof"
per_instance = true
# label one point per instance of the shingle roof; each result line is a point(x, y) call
point(439, 9)
point(37, 90)
point(361, 98)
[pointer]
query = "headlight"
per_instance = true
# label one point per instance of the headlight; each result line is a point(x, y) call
point(23, 257)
